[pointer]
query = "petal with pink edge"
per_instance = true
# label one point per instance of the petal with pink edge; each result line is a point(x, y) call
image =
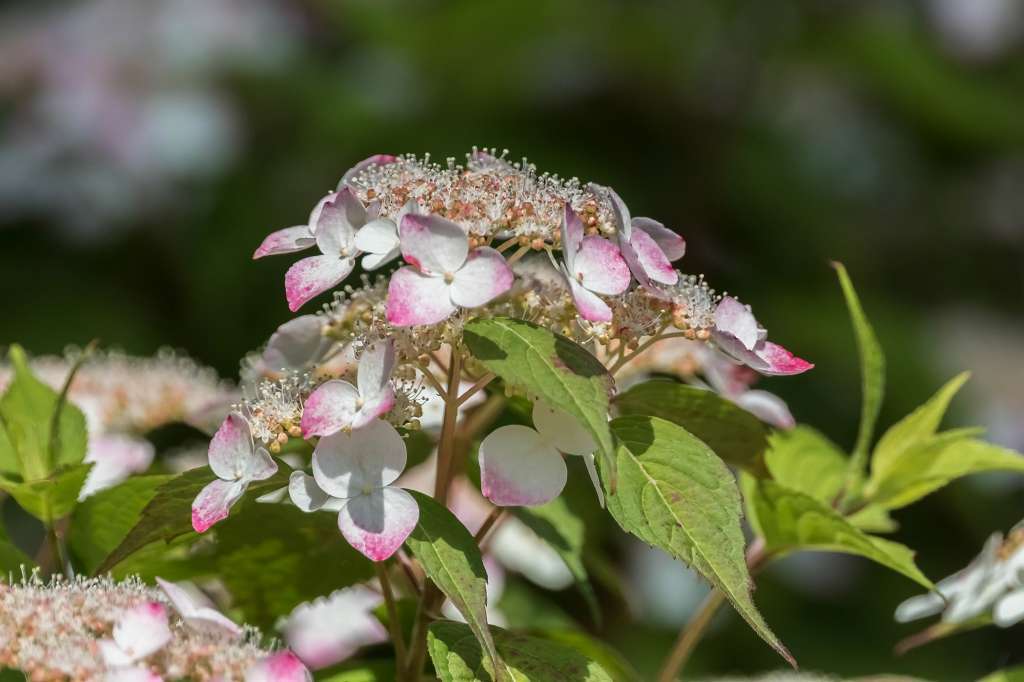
point(142, 630)
point(518, 467)
point(651, 258)
point(588, 304)
point(734, 318)
point(484, 277)
point(767, 407)
point(620, 212)
point(313, 276)
point(194, 613)
point(375, 367)
point(346, 464)
point(288, 240)
point(284, 666)
point(780, 361)
point(601, 267)
point(369, 162)
point(377, 524)
point(562, 430)
point(374, 407)
point(231, 447)
point(331, 629)
point(433, 244)
point(415, 298)
point(213, 503)
point(671, 244)
point(329, 408)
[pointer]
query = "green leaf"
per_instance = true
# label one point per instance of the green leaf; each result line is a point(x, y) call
point(873, 518)
point(27, 409)
point(457, 657)
point(932, 464)
point(169, 513)
point(11, 558)
point(547, 365)
point(368, 671)
point(790, 520)
point(1006, 675)
point(450, 557)
point(734, 434)
point(101, 521)
point(617, 667)
point(872, 370)
point(50, 498)
point(676, 494)
point(917, 427)
point(12, 675)
point(803, 459)
point(563, 530)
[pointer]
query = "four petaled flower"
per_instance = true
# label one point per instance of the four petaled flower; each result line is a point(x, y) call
point(647, 246)
point(237, 462)
point(592, 265)
point(138, 633)
point(353, 473)
point(443, 275)
point(337, 404)
point(739, 335)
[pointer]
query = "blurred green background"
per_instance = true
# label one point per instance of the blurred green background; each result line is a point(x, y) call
point(147, 147)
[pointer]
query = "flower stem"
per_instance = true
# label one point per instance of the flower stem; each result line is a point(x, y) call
point(446, 441)
point(642, 347)
point(480, 384)
point(488, 523)
point(394, 624)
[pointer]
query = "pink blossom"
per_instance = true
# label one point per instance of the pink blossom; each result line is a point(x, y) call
point(331, 629)
point(591, 265)
point(283, 666)
point(738, 334)
point(337, 404)
point(114, 458)
point(140, 632)
point(443, 275)
point(647, 246)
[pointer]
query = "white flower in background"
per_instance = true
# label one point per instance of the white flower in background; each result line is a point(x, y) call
point(284, 666)
point(523, 466)
point(196, 610)
point(114, 457)
point(336, 405)
point(298, 344)
point(331, 629)
point(354, 472)
point(140, 632)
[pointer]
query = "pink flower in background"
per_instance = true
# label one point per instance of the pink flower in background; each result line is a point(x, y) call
point(647, 246)
point(114, 458)
point(523, 466)
point(369, 162)
point(738, 334)
point(591, 265)
point(331, 629)
point(283, 666)
point(353, 472)
point(443, 275)
point(140, 632)
point(337, 404)
point(237, 462)
point(197, 613)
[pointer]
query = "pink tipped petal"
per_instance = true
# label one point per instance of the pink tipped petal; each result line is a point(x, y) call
point(196, 614)
point(671, 244)
point(767, 407)
point(572, 236)
point(415, 298)
point(518, 467)
point(213, 503)
point(589, 305)
point(283, 666)
point(329, 408)
point(374, 407)
point(314, 215)
point(375, 160)
point(600, 268)
point(651, 258)
point(305, 493)
point(484, 277)
point(377, 524)
point(114, 458)
point(347, 464)
point(231, 447)
point(780, 361)
point(433, 244)
point(288, 240)
point(353, 210)
point(142, 630)
point(313, 276)
point(375, 367)
point(331, 629)
point(620, 212)
point(732, 317)
point(562, 430)
point(335, 234)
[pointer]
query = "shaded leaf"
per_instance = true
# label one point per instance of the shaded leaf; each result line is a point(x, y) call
point(1006, 675)
point(50, 498)
point(368, 671)
point(803, 459)
point(11, 558)
point(676, 494)
point(734, 434)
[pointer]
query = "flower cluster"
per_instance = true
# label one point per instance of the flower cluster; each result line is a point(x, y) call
point(96, 629)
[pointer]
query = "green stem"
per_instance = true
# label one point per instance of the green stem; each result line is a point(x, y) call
point(642, 347)
point(394, 623)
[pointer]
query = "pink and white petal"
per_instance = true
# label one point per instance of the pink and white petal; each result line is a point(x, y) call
point(633, 261)
point(572, 236)
point(732, 317)
point(651, 258)
point(520, 468)
point(375, 160)
point(284, 666)
point(375, 367)
point(314, 215)
point(345, 464)
point(330, 629)
point(313, 276)
point(374, 407)
point(601, 266)
point(562, 430)
point(114, 458)
point(260, 466)
point(231, 447)
point(329, 408)
point(132, 674)
point(296, 344)
point(377, 524)
point(195, 612)
point(142, 630)
point(113, 655)
point(620, 212)
point(779, 361)
point(671, 244)
point(288, 240)
point(415, 298)
point(305, 493)
point(372, 261)
point(588, 304)
point(377, 236)
point(335, 235)
point(214, 502)
point(433, 244)
point(767, 407)
point(354, 211)
point(484, 277)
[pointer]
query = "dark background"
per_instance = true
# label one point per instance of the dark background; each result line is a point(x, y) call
point(774, 135)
